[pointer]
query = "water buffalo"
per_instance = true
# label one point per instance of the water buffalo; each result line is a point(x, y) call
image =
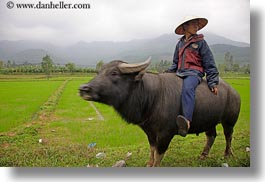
point(152, 101)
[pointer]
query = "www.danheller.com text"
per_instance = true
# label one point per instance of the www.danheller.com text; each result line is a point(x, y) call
point(49, 5)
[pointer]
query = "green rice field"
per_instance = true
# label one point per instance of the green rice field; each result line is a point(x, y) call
point(44, 123)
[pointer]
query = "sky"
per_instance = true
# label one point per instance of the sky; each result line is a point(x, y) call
point(121, 20)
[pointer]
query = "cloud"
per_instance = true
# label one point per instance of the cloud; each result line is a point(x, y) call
point(120, 20)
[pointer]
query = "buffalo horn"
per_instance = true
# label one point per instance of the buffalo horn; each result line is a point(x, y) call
point(133, 68)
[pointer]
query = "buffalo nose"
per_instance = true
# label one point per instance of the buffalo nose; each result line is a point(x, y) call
point(84, 87)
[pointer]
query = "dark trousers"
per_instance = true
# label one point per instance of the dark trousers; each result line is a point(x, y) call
point(188, 95)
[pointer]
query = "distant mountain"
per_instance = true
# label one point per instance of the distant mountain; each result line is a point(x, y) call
point(89, 53)
point(29, 51)
point(241, 55)
point(216, 39)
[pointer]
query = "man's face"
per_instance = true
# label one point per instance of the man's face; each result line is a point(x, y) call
point(192, 26)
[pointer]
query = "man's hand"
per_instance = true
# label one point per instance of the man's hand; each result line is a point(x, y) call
point(214, 90)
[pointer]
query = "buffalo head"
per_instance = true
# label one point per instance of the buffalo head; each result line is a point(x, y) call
point(113, 83)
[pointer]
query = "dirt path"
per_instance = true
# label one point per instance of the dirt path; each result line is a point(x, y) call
point(49, 106)
point(97, 111)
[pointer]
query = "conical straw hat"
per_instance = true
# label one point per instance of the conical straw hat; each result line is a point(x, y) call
point(202, 22)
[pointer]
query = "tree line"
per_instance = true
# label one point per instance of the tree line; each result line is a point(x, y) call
point(47, 66)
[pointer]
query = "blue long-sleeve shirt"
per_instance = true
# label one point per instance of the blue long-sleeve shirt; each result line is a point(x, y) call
point(195, 58)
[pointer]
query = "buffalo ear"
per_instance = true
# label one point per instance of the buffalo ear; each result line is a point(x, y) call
point(139, 76)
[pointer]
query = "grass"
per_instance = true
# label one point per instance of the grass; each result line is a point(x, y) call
point(72, 124)
point(20, 100)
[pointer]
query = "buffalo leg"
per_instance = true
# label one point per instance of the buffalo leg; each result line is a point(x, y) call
point(152, 142)
point(152, 156)
point(162, 145)
point(210, 136)
point(228, 132)
point(158, 158)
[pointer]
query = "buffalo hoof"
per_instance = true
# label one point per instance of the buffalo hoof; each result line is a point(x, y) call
point(149, 164)
point(228, 154)
point(203, 157)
